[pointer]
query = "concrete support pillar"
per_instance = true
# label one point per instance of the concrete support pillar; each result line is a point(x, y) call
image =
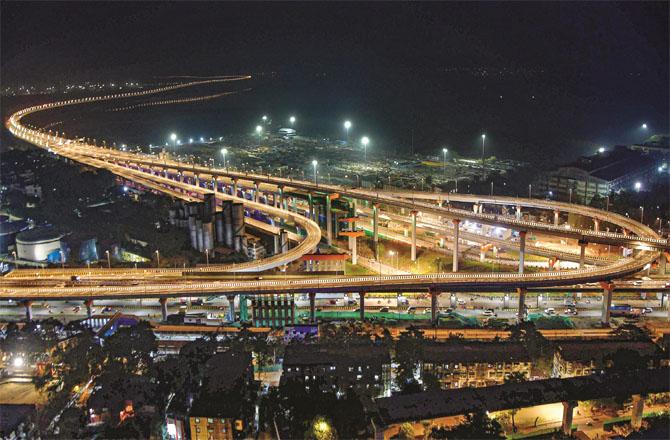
point(280, 194)
point(518, 212)
point(231, 307)
point(413, 215)
point(568, 412)
point(662, 264)
point(453, 301)
point(556, 214)
point(215, 184)
point(180, 177)
point(165, 173)
point(28, 305)
point(521, 313)
point(506, 301)
point(455, 255)
point(636, 411)
point(522, 251)
point(329, 222)
point(607, 303)
point(256, 194)
point(375, 230)
point(596, 225)
point(582, 253)
point(433, 306)
point(164, 308)
point(312, 307)
point(197, 180)
point(354, 252)
point(310, 201)
point(89, 307)
point(361, 302)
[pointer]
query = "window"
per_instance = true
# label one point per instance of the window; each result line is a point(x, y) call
point(210, 420)
point(197, 420)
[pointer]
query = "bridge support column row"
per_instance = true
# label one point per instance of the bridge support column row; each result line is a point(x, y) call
point(375, 230)
point(434, 294)
point(582, 253)
point(568, 412)
point(231, 307)
point(456, 234)
point(413, 215)
point(361, 301)
point(607, 303)
point(522, 251)
point(164, 308)
point(312, 307)
point(329, 222)
point(521, 313)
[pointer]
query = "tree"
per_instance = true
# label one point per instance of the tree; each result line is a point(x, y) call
point(540, 349)
point(515, 377)
point(476, 425)
point(406, 431)
point(321, 429)
point(409, 354)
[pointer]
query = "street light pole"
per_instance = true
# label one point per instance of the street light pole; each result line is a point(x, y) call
point(259, 130)
point(109, 261)
point(444, 161)
point(530, 190)
point(158, 258)
point(483, 144)
point(173, 137)
point(314, 164)
point(224, 151)
point(365, 141)
point(347, 126)
point(641, 214)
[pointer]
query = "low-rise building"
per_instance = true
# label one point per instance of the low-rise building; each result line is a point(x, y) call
point(222, 410)
point(255, 249)
point(474, 364)
point(581, 358)
point(361, 366)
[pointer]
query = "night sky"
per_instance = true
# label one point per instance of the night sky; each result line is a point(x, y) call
point(584, 72)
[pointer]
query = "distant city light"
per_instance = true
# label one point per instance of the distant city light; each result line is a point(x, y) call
point(202, 139)
point(259, 129)
point(18, 362)
point(265, 118)
point(644, 126)
point(190, 140)
point(125, 188)
point(638, 186)
point(601, 150)
point(347, 125)
point(173, 137)
point(292, 119)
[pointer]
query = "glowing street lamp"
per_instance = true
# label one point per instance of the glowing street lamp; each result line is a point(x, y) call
point(644, 126)
point(173, 138)
point(224, 151)
point(292, 120)
point(483, 144)
point(365, 141)
point(264, 118)
point(314, 164)
point(347, 126)
point(259, 130)
point(638, 186)
point(601, 150)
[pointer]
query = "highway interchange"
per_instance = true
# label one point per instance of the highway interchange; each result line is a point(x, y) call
point(192, 182)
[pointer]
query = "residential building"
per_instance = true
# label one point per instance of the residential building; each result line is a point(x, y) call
point(581, 358)
point(361, 366)
point(222, 411)
point(474, 364)
point(255, 249)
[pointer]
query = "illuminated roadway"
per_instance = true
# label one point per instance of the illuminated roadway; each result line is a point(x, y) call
point(162, 283)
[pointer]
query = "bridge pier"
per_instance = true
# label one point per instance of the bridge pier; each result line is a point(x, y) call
point(375, 230)
point(354, 251)
point(662, 264)
point(556, 214)
point(522, 251)
point(310, 201)
point(596, 225)
point(256, 192)
point(89, 307)
point(607, 303)
point(197, 180)
point(636, 411)
point(413, 216)
point(231, 307)
point(28, 305)
point(329, 221)
point(568, 413)
point(582, 253)
point(434, 294)
point(456, 223)
point(164, 308)
point(518, 212)
point(215, 184)
point(361, 303)
point(453, 301)
point(312, 307)
point(234, 189)
point(521, 313)
point(280, 197)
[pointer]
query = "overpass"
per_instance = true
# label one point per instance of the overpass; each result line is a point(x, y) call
point(192, 182)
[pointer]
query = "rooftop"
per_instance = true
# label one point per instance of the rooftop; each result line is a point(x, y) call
point(587, 350)
point(614, 163)
point(38, 235)
point(474, 352)
point(325, 354)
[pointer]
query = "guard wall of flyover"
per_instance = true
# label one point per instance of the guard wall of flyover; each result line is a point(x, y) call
point(117, 162)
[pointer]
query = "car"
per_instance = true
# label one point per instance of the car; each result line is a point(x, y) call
point(196, 302)
point(411, 310)
point(646, 279)
point(384, 310)
point(570, 311)
point(460, 302)
point(637, 283)
point(76, 309)
point(647, 310)
point(549, 311)
point(449, 310)
point(107, 309)
point(489, 312)
point(357, 310)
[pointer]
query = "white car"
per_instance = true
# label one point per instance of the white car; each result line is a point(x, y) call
point(489, 312)
point(460, 302)
point(549, 311)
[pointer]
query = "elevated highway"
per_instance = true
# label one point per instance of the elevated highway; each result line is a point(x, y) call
point(167, 176)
